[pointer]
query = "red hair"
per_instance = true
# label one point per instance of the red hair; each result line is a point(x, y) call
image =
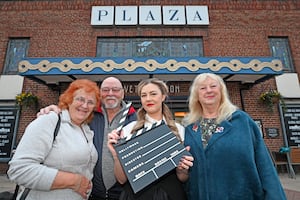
point(66, 98)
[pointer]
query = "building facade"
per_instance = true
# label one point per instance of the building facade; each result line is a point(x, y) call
point(253, 45)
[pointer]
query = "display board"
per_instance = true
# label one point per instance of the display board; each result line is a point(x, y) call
point(150, 155)
point(291, 117)
point(8, 119)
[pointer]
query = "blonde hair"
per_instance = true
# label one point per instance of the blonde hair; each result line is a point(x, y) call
point(141, 113)
point(225, 109)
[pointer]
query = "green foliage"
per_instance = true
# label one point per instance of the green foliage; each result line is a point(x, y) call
point(27, 99)
point(270, 98)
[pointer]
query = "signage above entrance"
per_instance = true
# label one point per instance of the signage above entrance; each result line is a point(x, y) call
point(149, 15)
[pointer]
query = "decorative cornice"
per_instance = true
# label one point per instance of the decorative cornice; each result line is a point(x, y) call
point(151, 65)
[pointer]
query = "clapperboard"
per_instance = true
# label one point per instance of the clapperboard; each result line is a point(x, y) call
point(124, 115)
point(149, 154)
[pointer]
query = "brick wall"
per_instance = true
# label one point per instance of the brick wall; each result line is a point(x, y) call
point(237, 28)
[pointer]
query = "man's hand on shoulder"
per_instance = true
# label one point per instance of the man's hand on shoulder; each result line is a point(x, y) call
point(47, 109)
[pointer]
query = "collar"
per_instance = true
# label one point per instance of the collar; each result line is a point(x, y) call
point(150, 120)
point(101, 109)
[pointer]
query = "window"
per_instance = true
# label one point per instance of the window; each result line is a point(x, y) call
point(16, 51)
point(145, 47)
point(280, 48)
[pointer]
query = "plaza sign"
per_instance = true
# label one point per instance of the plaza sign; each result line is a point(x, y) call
point(149, 15)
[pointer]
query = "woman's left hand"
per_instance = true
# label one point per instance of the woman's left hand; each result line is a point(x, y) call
point(185, 163)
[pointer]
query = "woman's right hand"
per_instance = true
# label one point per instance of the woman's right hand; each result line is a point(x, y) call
point(113, 138)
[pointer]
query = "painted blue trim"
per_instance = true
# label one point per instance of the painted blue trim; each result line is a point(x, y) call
point(150, 65)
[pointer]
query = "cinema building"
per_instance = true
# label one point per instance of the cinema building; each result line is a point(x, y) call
point(253, 45)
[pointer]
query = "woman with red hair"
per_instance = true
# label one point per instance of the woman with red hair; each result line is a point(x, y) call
point(60, 168)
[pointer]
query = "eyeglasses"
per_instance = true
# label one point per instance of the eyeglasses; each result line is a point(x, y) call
point(114, 89)
point(82, 100)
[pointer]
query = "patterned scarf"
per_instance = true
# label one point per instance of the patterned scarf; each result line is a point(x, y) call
point(208, 127)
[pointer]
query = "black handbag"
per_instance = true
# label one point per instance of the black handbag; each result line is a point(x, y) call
point(27, 190)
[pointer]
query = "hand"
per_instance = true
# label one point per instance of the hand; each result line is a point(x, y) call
point(185, 163)
point(47, 109)
point(113, 138)
point(83, 186)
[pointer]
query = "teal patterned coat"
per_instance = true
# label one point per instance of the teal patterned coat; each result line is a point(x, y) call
point(235, 165)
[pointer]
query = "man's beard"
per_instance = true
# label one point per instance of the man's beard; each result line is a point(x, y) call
point(111, 106)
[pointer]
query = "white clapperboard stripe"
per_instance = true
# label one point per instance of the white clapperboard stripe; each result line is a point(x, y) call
point(124, 115)
point(145, 129)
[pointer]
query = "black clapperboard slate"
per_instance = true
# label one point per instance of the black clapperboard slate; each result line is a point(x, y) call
point(150, 155)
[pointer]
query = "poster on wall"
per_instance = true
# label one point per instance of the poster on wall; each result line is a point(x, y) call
point(291, 117)
point(8, 119)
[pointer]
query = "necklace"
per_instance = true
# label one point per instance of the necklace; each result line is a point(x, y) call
point(208, 127)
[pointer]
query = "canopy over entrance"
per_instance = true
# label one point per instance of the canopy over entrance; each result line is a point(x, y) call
point(53, 71)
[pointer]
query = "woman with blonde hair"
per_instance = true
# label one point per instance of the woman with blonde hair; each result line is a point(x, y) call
point(231, 160)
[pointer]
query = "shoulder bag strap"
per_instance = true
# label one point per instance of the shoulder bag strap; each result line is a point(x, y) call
point(27, 190)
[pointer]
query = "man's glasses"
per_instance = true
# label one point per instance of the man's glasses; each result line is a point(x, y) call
point(114, 89)
point(82, 100)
